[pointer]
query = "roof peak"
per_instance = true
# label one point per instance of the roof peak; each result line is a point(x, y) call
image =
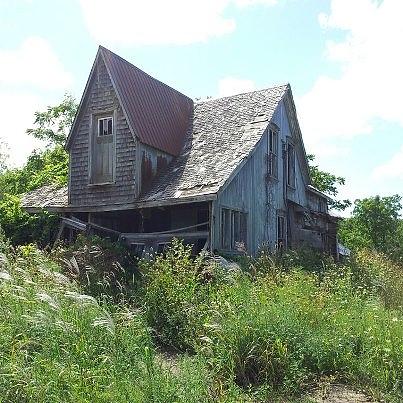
point(103, 49)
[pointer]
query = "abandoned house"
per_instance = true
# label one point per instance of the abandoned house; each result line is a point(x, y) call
point(148, 164)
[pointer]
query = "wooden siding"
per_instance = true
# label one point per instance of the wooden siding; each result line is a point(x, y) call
point(102, 98)
point(150, 162)
point(247, 192)
point(264, 198)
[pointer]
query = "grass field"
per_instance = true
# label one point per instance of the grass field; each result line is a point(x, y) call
point(87, 324)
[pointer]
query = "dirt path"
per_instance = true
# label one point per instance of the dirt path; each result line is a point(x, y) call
point(340, 394)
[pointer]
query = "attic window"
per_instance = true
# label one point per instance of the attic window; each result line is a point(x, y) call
point(273, 154)
point(105, 126)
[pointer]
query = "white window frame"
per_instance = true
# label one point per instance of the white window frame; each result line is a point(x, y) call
point(107, 119)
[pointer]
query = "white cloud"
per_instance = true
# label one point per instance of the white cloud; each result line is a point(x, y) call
point(19, 109)
point(156, 21)
point(34, 63)
point(390, 169)
point(232, 85)
point(29, 75)
point(246, 3)
point(370, 83)
point(138, 22)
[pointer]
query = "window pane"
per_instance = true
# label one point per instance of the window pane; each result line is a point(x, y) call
point(243, 228)
point(110, 126)
point(237, 229)
point(275, 143)
point(270, 140)
point(226, 229)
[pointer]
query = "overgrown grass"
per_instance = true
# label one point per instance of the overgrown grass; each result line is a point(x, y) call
point(268, 331)
point(59, 345)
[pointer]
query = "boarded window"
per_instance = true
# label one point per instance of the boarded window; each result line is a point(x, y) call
point(102, 150)
point(281, 236)
point(273, 154)
point(290, 165)
point(233, 230)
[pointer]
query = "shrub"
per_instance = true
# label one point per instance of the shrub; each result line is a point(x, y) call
point(287, 336)
point(175, 296)
point(378, 275)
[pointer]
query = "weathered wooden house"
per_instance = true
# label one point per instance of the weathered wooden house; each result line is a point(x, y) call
point(147, 164)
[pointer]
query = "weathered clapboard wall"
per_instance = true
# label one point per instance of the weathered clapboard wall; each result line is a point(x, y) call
point(102, 98)
point(262, 198)
point(247, 192)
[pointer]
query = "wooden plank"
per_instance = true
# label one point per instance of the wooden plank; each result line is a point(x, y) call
point(167, 236)
point(59, 234)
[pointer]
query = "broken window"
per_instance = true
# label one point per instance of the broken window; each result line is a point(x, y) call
point(105, 126)
point(233, 230)
point(290, 165)
point(281, 232)
point(273, 153)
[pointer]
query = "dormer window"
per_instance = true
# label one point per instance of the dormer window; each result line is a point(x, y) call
point(105, 126)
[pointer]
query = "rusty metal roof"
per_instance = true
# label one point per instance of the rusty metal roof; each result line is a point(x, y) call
point(158, 114)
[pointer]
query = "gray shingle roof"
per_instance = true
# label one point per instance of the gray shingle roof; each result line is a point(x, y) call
point(45, 196)
point(223, 133)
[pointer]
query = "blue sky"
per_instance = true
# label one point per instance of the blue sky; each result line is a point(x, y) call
point(341, 58)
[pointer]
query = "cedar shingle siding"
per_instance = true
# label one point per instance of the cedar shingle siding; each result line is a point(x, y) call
point(102, 98)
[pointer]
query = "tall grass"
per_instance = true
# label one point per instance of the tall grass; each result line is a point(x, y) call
point(58, 344)
point(267, 331)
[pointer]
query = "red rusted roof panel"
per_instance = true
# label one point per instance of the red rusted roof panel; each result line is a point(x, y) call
point(159, 115)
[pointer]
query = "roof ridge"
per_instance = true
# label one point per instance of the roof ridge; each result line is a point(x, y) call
point(243, 93)
point(103, 48)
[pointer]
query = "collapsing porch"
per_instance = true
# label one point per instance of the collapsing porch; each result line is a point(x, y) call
point(147, 230)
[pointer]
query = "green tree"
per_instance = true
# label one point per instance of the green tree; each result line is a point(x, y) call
point(3, 156)
point(53, 125)
point(42, 168)
point(327, 183)
point(375, 224)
